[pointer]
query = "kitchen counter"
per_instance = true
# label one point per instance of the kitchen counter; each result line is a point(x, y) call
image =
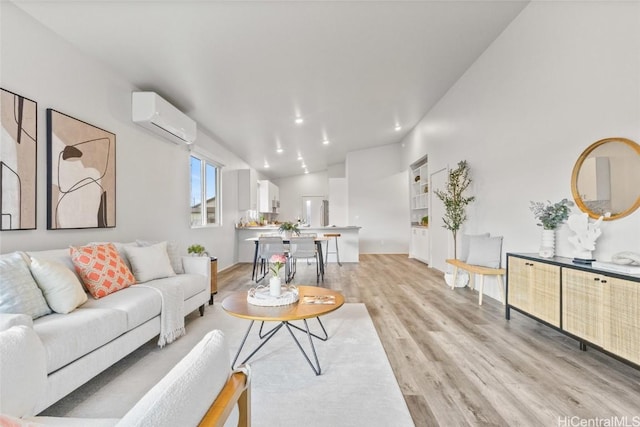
point(348, 242)
point(271, 228)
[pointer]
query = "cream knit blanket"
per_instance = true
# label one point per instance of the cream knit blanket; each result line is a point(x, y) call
point(172, 312)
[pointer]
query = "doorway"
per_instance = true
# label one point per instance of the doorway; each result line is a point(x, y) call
point(315, 211)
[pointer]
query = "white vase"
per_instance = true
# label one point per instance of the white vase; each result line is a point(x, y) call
point(275, 286)
point(548, 244)
point(286, 234)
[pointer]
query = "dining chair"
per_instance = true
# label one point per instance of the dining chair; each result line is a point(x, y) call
point(303, 247)
point(267, 247)
point(314, 235)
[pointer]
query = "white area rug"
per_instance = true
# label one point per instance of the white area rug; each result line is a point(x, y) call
point(357, 386)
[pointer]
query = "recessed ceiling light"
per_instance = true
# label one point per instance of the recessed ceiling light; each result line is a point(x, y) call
point(266, 165)
point(279, 150)
point(300, 157)
point(325, 142)
point(299, 120)
point(398, 127)
point(306, 171)
point(304, 166)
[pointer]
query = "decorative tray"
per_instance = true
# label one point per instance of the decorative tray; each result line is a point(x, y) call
point(260, 296)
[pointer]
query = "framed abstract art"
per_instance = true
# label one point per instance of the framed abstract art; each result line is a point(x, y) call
point(18, 154)
point(81, 180)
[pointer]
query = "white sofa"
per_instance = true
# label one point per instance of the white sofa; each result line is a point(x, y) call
point(81, 344)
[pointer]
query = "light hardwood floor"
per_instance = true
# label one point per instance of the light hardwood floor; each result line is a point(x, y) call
point(461, 364)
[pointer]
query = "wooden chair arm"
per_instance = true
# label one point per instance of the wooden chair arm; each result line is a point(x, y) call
point(236, 390)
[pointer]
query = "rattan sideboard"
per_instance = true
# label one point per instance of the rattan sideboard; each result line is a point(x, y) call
point(600, 309)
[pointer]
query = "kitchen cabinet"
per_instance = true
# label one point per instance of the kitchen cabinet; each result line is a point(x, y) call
point(247, 189)
point(599, 308)
point(268, 197)
point(419, 245)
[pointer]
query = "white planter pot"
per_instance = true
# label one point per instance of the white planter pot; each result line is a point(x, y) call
point(461, 281)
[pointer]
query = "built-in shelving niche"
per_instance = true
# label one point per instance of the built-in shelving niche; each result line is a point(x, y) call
point(419, 190)
point(419, 202)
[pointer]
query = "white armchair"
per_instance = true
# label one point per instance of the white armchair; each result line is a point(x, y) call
point(200, 390)
point(23, 369)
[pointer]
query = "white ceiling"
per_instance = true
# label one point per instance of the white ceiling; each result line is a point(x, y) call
point(244, 70)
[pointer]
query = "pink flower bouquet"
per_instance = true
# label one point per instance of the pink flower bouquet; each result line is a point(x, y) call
point(277, 261)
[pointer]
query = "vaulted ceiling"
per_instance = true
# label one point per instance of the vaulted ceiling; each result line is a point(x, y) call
point(353, 71)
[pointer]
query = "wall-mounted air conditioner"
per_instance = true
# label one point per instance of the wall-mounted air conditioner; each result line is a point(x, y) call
point(149, 110)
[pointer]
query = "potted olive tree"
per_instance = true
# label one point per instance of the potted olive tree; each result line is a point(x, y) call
point(455, 203)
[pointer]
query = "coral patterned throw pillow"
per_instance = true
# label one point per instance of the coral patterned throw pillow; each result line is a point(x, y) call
point(101, 269)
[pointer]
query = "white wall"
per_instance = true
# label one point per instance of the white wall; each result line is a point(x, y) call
point(562, 76)
point(293, 188)
point(378, 197)
point(338, 202)
point(337, 170)
point(338, 196)
point(152, 174)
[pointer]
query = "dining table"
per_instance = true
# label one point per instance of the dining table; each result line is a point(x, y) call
point(317, 240)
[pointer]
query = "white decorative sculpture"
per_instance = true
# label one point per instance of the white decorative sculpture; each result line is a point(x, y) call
point(587, 233)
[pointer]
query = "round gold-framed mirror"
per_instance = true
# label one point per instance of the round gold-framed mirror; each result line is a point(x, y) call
point(606, 178)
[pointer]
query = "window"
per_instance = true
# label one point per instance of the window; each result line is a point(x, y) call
point(205, 192)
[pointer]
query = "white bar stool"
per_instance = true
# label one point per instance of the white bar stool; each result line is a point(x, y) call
point(335, 238)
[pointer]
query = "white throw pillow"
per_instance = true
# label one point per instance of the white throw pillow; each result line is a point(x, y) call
point(19, 293)
point(150, 262)
point(60, 286)
point(466, 242)
point(174, 254)
point(485, 251)
point(23, 371)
